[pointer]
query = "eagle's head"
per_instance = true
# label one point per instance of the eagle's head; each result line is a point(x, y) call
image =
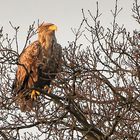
point(46, 33)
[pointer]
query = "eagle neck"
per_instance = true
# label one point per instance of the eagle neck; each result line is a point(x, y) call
point(49, 46)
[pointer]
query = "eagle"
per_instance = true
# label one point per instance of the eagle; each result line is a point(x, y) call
point(38, 65)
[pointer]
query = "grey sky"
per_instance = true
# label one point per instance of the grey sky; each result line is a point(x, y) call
point(64, 13)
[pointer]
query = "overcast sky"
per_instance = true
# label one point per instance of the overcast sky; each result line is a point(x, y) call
point(64, 13)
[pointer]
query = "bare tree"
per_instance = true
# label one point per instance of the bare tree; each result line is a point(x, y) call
point(96, 96)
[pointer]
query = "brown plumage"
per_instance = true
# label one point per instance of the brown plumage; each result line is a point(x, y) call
point(38, 65)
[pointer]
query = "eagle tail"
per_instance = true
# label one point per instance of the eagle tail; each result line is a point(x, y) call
point(21, 95)
point(24, 104)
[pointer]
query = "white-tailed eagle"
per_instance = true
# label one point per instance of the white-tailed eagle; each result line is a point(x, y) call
point(38, 65)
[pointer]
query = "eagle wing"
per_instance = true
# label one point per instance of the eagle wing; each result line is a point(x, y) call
point(51, 66)
point(28, 62)
point(55, 61)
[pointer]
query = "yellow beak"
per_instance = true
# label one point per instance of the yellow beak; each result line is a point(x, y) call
point(53, 27)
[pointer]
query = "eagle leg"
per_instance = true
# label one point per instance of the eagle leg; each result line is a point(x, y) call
point(34, 94)
point(46, 87)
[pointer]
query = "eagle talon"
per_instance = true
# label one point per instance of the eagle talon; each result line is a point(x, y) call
point(48, 89)
point(34, 94)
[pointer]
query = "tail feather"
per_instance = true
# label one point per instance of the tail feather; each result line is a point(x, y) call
point(24, 102)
